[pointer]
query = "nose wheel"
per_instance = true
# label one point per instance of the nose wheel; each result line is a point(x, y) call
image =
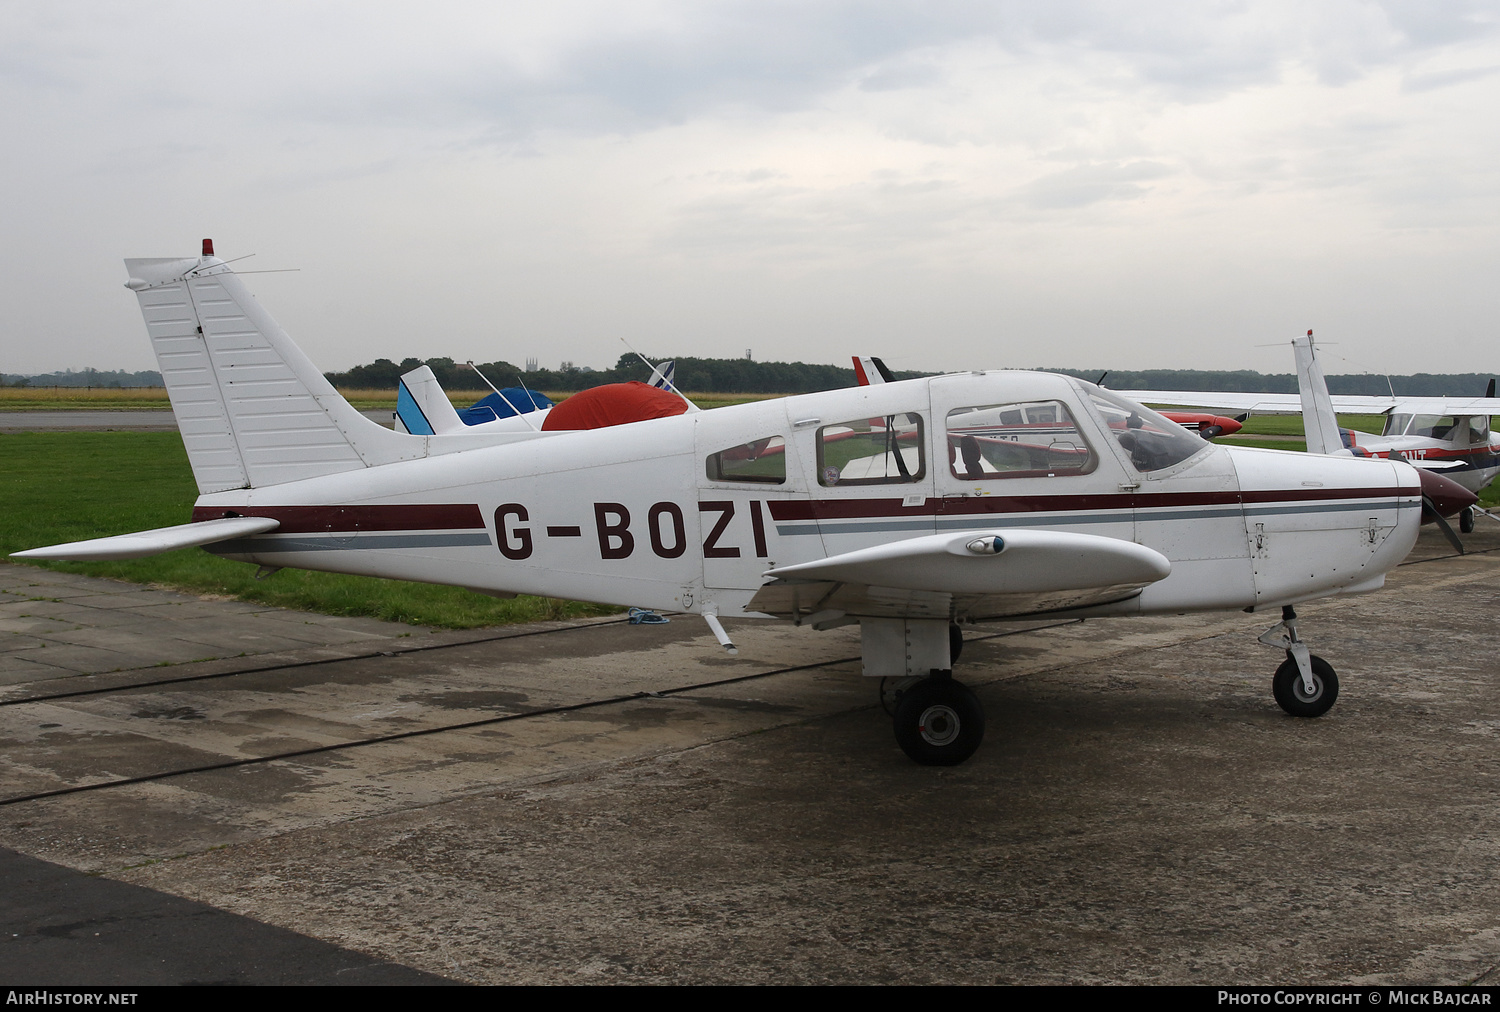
point(938, 721)
point(1305, 685)
point(1293, 695)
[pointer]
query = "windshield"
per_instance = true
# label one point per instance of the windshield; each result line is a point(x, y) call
point(1152, 442)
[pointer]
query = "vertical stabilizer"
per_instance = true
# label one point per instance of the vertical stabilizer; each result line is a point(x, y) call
point(421, 406)
point(1318, 420)
point(252, 409)
point(869, 370)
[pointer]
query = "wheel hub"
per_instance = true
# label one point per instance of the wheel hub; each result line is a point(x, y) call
point(1300, 690)
point(939, 725)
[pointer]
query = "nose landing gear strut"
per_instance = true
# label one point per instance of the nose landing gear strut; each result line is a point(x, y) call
point(1304, 685)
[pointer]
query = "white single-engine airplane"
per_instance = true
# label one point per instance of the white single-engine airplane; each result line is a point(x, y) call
point(905, 507)
point(1450, 435)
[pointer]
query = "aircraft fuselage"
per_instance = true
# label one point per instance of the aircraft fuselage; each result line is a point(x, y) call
point(693, 512)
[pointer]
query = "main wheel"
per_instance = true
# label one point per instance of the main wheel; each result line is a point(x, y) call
point(1293, 697)
point(939, 722)
point(1466, 521)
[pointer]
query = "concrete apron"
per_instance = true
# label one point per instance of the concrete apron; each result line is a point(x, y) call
point(1140, 811)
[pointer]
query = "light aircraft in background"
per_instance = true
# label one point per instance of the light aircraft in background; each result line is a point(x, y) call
point(423, 408)
point(909, 508)
point(1450, 435)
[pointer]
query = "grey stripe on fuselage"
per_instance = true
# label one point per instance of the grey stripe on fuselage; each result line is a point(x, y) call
point(979, 520)
point(344, 542)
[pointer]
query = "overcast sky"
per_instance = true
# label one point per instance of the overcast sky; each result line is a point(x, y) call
point(949, 186)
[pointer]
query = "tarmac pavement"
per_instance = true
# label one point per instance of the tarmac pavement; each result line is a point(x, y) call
point(1141, 811)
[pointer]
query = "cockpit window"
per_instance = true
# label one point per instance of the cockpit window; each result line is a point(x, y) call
point(872, 451)
point(1034, 440)
point(762, 460)
point(1152, 442)
point(1433, 426)
point(1395, 425)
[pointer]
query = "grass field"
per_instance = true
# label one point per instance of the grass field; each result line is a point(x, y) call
point(68, 486)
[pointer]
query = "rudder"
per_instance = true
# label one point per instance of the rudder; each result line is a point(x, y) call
point(252, 409)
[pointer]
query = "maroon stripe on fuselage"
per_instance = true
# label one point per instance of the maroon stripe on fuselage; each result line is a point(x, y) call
point(314, 519)
point(850, 509)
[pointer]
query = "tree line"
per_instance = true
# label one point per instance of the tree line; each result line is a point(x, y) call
point(743, 376)
point(740, 376)
point(702, 375)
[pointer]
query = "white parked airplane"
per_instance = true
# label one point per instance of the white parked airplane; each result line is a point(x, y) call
point(1450, 435)
point(905, 507)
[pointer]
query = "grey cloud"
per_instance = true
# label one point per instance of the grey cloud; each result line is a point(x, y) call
point(1446, 79)
point(1083, 185)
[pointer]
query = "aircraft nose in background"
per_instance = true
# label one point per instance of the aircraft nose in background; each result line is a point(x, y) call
point(1446, 495)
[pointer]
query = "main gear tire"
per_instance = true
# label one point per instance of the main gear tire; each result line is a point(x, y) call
point(939, 722)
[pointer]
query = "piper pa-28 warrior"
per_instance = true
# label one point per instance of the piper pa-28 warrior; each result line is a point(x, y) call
point(911, 508)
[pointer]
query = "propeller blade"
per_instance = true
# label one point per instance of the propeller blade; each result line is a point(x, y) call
point(1429, 507)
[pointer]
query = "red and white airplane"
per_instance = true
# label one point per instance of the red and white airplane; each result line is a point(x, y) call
point(1450, 435)
point(906, 507)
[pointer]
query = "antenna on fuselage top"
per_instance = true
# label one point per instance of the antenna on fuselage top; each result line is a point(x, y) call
point(504, 398)
point(657, 372)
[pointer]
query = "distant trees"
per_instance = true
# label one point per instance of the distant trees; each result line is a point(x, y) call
point(742, 376)
point(705, 375)
point(106, 378)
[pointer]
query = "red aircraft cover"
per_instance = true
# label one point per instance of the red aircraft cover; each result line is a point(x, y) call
point(613, 404)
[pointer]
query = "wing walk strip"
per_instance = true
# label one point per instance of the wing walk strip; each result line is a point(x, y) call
point(424, 732)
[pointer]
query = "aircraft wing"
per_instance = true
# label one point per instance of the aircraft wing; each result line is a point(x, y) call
point(1260, 404)
point(1291, 404)
point(144, 543)
point(1011, 572)
point(1440, 405)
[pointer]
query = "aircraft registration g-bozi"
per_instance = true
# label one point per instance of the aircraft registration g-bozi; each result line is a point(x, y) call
point(911, 508)
point(1450, 435)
